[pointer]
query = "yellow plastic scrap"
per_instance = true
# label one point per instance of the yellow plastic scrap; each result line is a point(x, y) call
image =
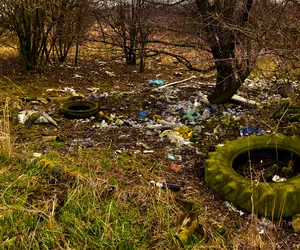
point(190, 227)
point(185, 131)
point(156, 117)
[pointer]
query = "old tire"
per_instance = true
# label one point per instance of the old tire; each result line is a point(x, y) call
point(79, 109)
point(270, 199)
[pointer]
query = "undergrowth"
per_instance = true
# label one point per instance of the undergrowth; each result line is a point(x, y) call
point(97, 199)
point(56, 202)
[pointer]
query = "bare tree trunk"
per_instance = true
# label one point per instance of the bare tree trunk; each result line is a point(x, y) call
point(76, 52)
point(222, 40)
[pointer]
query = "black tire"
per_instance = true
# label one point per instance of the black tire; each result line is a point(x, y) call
point(79, 109)
point(270, 199)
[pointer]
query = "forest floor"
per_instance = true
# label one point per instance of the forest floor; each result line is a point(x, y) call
point(113, 157)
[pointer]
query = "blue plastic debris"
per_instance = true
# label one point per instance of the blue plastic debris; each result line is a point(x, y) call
point(251, 130)
point(156, 82)
point(142, 115)
point(174, 157)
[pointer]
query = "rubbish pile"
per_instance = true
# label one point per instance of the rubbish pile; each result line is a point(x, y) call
point(181, 121)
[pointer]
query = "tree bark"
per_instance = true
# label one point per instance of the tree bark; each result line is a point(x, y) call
point(222, 41)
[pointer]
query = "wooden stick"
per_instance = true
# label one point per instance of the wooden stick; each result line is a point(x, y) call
point(173, 83)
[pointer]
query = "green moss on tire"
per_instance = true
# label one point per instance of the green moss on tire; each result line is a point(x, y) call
point(270, 199)
point(79, 109)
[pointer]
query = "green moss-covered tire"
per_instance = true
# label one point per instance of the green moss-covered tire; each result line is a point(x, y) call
point(270, 199)
point(79, 109)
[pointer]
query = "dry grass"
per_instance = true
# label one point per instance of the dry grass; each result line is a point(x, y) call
point(7, 140)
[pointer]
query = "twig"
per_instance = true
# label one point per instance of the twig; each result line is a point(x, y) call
point(14, 84)
point(173, 83)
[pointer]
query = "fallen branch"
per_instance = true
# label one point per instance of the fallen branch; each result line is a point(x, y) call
point(173, 83)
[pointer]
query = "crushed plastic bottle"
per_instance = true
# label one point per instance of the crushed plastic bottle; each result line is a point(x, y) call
point(251, 130)
point(164, 185)
point(156, 82)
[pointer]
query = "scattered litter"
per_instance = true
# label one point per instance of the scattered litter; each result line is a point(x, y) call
point(218, 129)
point(190, 229)
point(118, 122)
point(261, 230)
point(28, 117)
point(156, 82)
point(173, 83)
point(168, 124)
point(174, 167)
point(37, 155)
point(148, 151)
point(128, 123)
point(206, 114)
point(50, 138)
point(244, 101)
point(251, 130)
point(25, 115)
point(233, 208)
point(64, 90)
point(81, 143)
point(77, 76)
point(203, 98)
point(185, 131)
point(277, 178)
point(103, 124)
point(109, 73)
point(174, 157)
point(49, 118)
point(174, 137)
point(164, 185)
point(191, 116)
point(86, 120)
point(196, 104)
point(144, 145)
point(154, 126)
point(103, 115)
point(94, 97)
point(142, 115)
point(93, 89)
point(197, 130)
